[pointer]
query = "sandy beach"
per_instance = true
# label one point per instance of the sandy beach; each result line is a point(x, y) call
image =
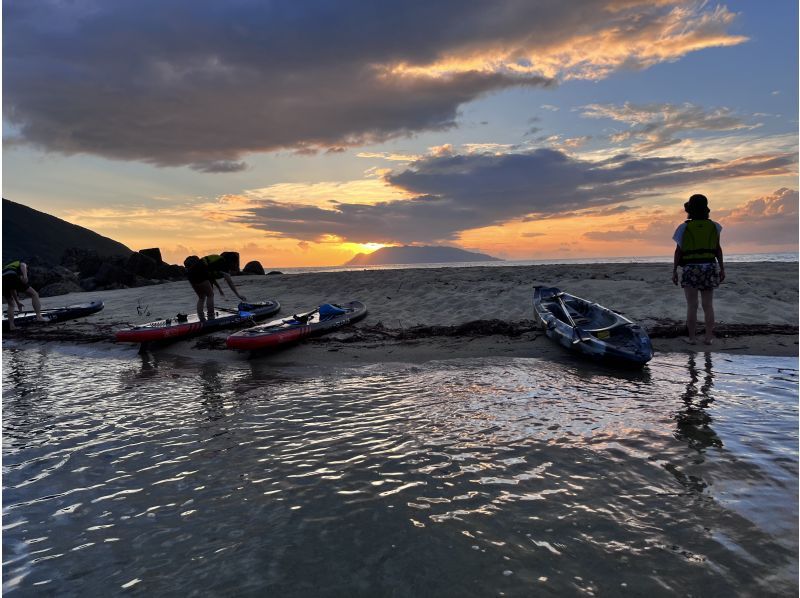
point(438, 313)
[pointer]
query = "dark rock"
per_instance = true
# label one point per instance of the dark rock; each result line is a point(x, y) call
point(88, 284)
point(273, 273)
point(86, 262)
point(113, 276)
point(170, 272)
point(60, 288)
point(35, 260)
point(65, 273)
point(142, 265)
point(140, 281)
point(154, 254)
point(253, 267)
point(40, 276)
point(232, 259)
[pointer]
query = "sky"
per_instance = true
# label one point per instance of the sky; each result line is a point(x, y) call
point(302, 133)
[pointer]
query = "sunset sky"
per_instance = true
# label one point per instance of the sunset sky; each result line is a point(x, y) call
point(301, 133)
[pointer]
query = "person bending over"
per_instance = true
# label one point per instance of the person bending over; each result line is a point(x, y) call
point(15, 280)
point(202, 273)
point(697, 251)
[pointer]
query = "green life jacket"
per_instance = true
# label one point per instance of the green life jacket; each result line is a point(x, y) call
point(13, 268)
point(216, 265)
point(700, 242)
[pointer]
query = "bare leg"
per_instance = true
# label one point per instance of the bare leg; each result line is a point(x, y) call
point(210, 302)
point(204, 294)
point(201, 302)
point(691, 313)
point(37, 305)
point(707, 299)
point(10, 311)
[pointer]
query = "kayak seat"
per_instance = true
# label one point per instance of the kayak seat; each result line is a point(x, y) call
point(596, 330)
point(577, 317)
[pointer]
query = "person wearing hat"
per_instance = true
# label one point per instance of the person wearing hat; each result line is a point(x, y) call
point(698, 251)
point(202, 272)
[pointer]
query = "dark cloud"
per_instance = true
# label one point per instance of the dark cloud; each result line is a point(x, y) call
point(219, 166)
point(453, 193)
point(179, 82)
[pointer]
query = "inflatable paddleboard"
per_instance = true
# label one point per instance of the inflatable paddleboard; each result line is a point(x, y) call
point(318, 321)
point(182, 325)
point(57, 314)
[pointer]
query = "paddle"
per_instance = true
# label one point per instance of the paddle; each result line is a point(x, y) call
point(571, 322)
point(240, 312)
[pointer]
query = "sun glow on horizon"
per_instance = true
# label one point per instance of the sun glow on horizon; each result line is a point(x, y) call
point(362, 247)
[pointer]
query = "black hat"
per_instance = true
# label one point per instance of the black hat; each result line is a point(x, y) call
point(697, 206)
point(190, 261)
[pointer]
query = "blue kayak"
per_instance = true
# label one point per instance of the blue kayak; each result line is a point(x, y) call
point(590, 329)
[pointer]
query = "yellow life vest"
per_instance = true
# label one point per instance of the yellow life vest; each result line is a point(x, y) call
point(14, 267)
point(700, 242)
point(216, 265)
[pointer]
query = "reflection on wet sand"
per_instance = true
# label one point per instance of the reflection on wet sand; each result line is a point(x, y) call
point(694, 421)
point(693, 424)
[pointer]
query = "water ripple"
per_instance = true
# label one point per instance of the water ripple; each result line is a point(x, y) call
point(457, 478)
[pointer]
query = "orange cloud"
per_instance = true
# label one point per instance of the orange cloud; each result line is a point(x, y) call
point(632, 34)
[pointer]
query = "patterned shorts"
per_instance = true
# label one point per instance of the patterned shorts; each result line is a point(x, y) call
point(702, 277)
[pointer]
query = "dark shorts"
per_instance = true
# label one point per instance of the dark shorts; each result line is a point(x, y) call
point(13, 282)
point(702, 277)
point(198, 273)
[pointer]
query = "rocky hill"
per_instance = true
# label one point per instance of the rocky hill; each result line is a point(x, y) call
point(34, 236)
point(66, 258)
point(431, 254)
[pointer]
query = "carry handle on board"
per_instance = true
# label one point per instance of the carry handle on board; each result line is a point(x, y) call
point(303, 318)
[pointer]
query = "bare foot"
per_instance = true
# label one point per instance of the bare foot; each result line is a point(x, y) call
point(40, 319)
point(690, 341)
point(709, 341)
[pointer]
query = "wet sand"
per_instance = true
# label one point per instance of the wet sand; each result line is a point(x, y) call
point(439, 313)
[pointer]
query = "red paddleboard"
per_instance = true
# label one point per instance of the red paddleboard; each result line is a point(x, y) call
point(183, 326)
point(325, 318)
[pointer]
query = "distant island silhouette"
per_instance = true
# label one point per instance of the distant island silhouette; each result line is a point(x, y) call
point(431, 254)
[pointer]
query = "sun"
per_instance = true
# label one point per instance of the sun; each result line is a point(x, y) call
point(362, 247)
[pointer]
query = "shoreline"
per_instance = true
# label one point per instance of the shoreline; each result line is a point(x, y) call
point(418, 314)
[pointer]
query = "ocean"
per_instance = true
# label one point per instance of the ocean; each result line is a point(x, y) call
point(158, 475)
point(660, 259)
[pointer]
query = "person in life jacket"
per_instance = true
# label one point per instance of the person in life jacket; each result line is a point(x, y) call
point(15, 280)
point(202, 273)
point(698, 251)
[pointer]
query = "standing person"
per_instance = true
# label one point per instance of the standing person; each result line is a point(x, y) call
point(698, 250)
point(202, 272)
point(15, 280)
